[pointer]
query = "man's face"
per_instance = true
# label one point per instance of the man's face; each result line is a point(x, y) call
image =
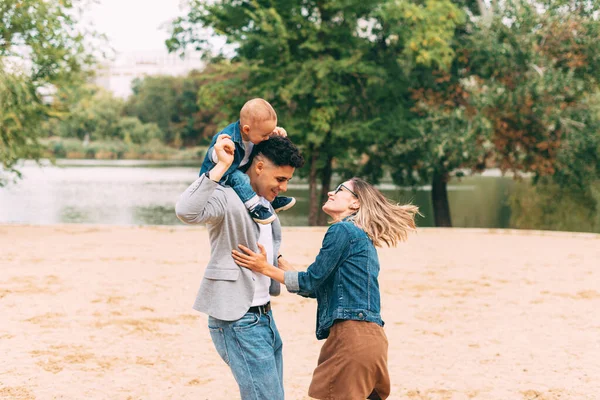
point(257, 132)
point(269, 179)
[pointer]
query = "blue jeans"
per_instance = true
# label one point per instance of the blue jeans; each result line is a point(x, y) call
point(252, 348)
point(240, 183)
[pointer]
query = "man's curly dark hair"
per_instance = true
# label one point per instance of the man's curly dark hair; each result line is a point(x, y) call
point(281, 151)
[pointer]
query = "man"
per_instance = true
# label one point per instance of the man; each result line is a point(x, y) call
point(237, 300)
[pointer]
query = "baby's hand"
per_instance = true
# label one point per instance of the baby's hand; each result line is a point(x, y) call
point(224, 148)
point(279, 131)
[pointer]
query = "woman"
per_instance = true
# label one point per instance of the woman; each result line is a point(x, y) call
point(343, 279)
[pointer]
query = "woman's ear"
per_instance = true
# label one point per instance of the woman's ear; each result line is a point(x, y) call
point(354, 206)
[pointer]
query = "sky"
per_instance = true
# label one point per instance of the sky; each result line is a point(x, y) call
point(134, 25)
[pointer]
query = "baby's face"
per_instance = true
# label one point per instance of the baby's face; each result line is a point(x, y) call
point(259, 131)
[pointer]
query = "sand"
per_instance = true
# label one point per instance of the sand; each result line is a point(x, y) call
point(104, 312)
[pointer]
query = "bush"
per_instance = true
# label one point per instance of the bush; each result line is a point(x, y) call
point(63, 148)
point(132, 130)
point(58, 149)
point(547, 205)
point(152, 149)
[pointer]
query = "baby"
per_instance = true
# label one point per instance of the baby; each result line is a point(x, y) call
point(258, 121)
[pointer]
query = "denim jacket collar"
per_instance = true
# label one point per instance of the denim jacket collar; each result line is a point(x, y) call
point(236, 135)
point(349, 218)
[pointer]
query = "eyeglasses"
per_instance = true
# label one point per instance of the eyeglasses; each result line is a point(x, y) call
point(340, 186)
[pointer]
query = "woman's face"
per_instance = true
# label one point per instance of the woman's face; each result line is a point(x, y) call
point(341, 202)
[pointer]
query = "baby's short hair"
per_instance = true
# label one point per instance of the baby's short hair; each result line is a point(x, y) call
point(257, 110)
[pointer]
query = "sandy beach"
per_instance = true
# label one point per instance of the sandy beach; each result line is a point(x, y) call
point(104, 312)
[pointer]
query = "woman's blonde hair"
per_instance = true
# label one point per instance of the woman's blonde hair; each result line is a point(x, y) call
point(382, 220)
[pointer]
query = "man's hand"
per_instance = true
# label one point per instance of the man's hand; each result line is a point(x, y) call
point(279, 131)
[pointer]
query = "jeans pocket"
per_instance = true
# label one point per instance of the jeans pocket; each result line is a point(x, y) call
point(249, 320)
point(218, 338)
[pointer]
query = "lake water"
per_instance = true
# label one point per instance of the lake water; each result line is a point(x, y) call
point(144, 193)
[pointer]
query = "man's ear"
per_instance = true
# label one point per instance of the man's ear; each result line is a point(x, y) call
point(246, 129)
point(259, 166)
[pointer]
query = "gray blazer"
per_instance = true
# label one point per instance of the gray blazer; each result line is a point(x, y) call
point(227, 290)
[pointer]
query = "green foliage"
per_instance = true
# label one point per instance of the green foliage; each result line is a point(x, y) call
point(64, 148)
point(422, 31)
point(153, 149)
point(132, 130)
point(153, 100)
point(223, 91)
point(329, 68)
point(518, 96)
point(92, 114)
point(546, 205)
point(172, 104)
point(40, 50)
point(20, 114)
point(531, 77)
point(96, 117)
point(577, 165)
point(44, 34)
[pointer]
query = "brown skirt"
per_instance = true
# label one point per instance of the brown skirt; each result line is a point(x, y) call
point(352, 363)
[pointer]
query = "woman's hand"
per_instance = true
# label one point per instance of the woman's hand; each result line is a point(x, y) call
point(257, 262)
point(284, 265)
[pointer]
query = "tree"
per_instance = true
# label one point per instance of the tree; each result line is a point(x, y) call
point(153, 100)
point(90, 113)
point(545, 65)
point(20, 115)
point(427, 131)
point(172, 103)
point(132, 130)
point(326, 66)
point(423, 88)
point(95, 116)
point(40, 48)
point(513, 98)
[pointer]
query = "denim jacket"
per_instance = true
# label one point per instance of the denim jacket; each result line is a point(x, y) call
point(234, 131)
point(343, 278)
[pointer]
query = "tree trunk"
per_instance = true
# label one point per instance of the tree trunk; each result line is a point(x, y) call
point(325, 187)
point(313, 209)
point(439, 199)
